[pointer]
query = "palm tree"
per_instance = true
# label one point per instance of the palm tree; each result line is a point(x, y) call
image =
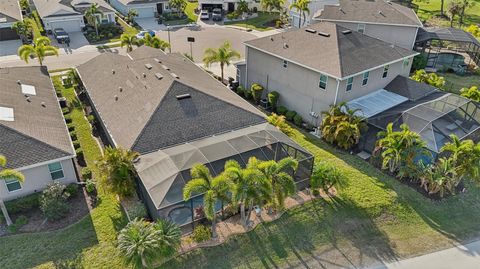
point(132, 13)
point(91, 15)
point(23, 28)
point(116, 166)
point(41, 46)
point(128, 41)
point(250, 186)
point(8, 174)
point(223, 55)
point(342, 125)
point(214, 189)
point(169, 238)
point(471, 93)
point(138, 242)
point(301, 6)
point(155, 42)
point(277, 173)
point(326, 176)
point(465, 156)
point(440, 178)
point(272, 5)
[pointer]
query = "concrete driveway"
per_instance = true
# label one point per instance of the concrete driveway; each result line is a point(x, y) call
point(205, 37)
point(77, 41)
point(150, 24)
point(9, 47)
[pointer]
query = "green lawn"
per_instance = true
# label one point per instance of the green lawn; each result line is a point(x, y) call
point(88, 243)
point(189, 11)
point(259, 23)
point(455, 82)
point(374, 217)
point(429, 8)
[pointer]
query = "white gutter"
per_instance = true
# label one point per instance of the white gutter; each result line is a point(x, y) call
point(368, 22)
point(45, 163)
point(336, 93)
point(415, 39)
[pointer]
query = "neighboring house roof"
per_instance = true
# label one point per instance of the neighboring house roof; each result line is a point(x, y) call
point(133, 2)
point(376, 11)
point(331, 49)
point(10, 11)
point(57, 8)
point(141, 110)
point(409, 88)
point(38, 131)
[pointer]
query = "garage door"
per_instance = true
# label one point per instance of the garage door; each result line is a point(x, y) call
point(69, 26)
point(145, 12)
point(8, 34)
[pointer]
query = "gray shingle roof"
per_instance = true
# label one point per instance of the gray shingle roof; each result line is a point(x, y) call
point(377, 11)
point(133, 2)
point(38, 122)
point(338, 55)
point(409, 88)
point(52, 8)
point(10, 10)
point(136, 116)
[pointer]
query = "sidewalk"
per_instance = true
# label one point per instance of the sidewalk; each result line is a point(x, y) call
point(461, 257)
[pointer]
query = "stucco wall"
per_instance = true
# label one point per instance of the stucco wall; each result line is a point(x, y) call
point(402, 36)
point(37, 178)
point(298, 86)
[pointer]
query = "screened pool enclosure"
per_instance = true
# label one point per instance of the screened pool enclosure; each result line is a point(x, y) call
point(164, 173)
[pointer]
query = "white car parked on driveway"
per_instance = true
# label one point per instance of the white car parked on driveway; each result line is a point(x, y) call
point(204, 15)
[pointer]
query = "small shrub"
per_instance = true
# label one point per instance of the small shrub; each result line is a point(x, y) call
point(90, 186)
point(290, 115)
point(247, 94)
point(12, 228)
point(279, 122)
point(23, 204)
point(71, 190)
point(91, 119)
point(256, 91)
point(71, 127)
point(137, 210)
point(278, 23)
point(73, 135)
point(240, 90)
point(68, 118)
point(65, 110)
point(273, 99)
point(298, 120)
point(53, 201)
point(76, 144)
point(201, 233)
point(79, 153)
point(21, 221)
point(86, 173)
point(281, 110)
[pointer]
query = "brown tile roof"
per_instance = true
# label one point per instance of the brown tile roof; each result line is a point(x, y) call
point(377, 11)
point(127, 112)
point(340, 54)
point(38, 121)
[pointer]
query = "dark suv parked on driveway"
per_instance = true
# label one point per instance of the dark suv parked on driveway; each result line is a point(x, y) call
point(61, 36)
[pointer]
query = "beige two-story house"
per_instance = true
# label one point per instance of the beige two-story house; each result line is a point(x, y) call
point(324, 64)
point(385, 20)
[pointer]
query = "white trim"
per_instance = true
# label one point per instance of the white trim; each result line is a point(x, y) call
point(61, 166)
point(366, 22)
point(44, 163)
point(389, 63)
point(415, 39)
point(363, 78)
point(320, 80)
point(336, 93)
point(346, 85)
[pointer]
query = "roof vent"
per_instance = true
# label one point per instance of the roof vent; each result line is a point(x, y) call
point(144, 75)
point(128, 67)
point(116, 97)
point(19, 82)
point(159, 76)
point(174, 75)
point(380, 12)
point(120, 89)
point(43, 104)
point(148, 66)
point(157, 60)
point(312, 31)
point(285, 45)
point(271, 38)
point(165, 67)
point(183, 96)
point(346, 32)
point(28, 99)
point(113, 71)
point(323, 34)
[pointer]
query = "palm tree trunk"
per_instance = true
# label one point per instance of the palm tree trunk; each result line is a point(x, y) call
point(144, 261)
point(221, 68)
point(242, 214)
point(214, 224)
point(442, 14)
point(5, 213)
point(250, 208)
point(96, 27)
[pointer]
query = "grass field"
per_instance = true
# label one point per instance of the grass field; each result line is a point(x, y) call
point(429, 8)
point(259, 23)
point(455, 82)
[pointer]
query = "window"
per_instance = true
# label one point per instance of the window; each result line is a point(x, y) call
point(13, 185)
point(323, 82)
point(285, 64)
point(361, 28)
point(56, 171)
point(349, 84)
point(365, 78)
point(385, 71)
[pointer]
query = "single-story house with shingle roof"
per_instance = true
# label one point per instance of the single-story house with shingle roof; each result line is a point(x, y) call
point(9, 14)
point(69, 14)
point(34, 136)
point(144, 8)
point(175, 115)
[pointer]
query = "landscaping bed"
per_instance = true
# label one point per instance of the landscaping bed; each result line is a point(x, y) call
point(263, 22)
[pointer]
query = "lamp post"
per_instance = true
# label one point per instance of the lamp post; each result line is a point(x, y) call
point(169, 47)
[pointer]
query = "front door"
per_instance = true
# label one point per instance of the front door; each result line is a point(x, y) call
point(159, 8)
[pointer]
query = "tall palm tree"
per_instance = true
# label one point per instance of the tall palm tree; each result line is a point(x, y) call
point(132, 13)
point(223, 55)
point(23, 28)
point(214, 189)
point(118, 171)
point(155, 42)
point(277, 173)
point(8, 174)
point(301, 6)
point(41, 46)
point(91, 15)
point(250, 186)
point(128, 41)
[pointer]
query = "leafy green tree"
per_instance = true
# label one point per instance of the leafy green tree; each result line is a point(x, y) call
point(178, 5)
point(250, 186)
point(278, 174)
point(155, 42)
point(23, 28)
point(53, 201)
point(465, 157)
point(118, 171)
point(474, 30)
point(214, 189)
point(128, 41)
point(40, 47)
point(454, 8)
point(272, 5)
point(223, 55)
point(280, 122)
point(326, 176)
point(301, 6)
point(8, 174)
point(142, 242)
point(131, 15)
point(242, 6)
point(91, 14)
point(440, 178)
point(472, 93)
point(429, 78)
point(400, 149)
